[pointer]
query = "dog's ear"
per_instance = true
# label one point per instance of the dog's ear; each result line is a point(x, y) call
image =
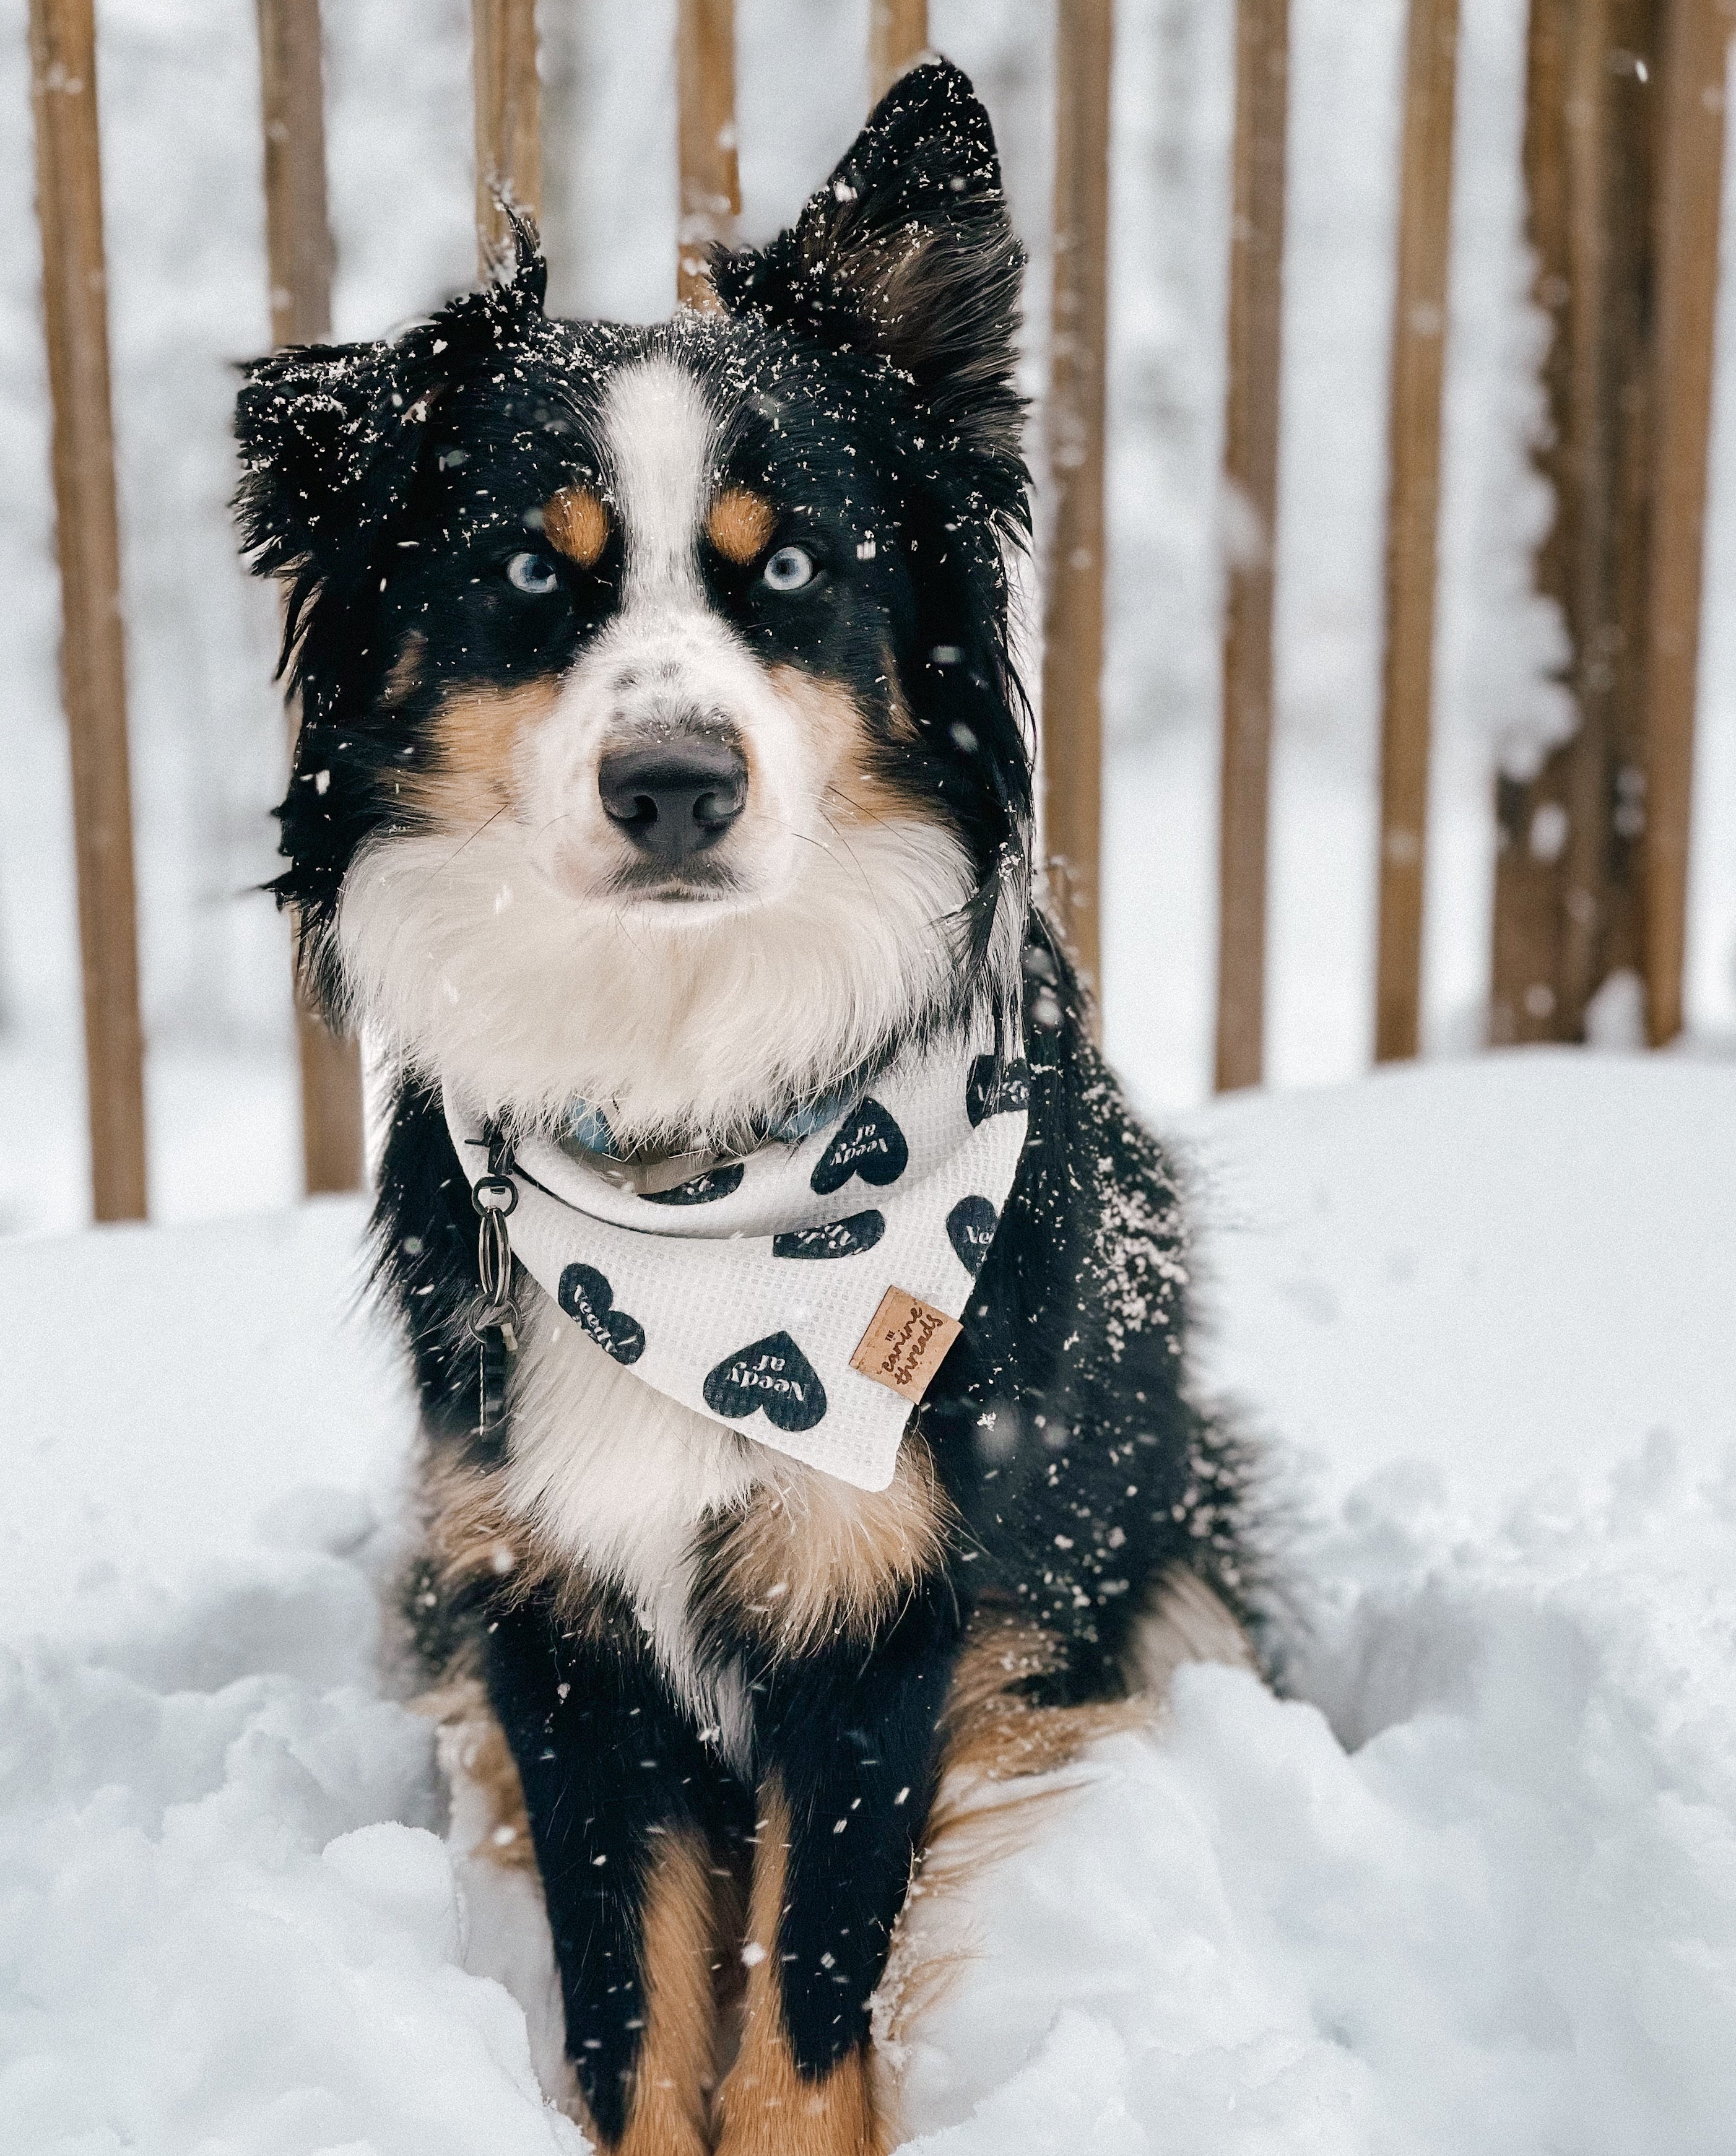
point(907, 251)
point(329, 441)
point(330, 435)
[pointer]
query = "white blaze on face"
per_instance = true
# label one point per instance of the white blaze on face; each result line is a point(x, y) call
point(668, 660)
point(661, 436)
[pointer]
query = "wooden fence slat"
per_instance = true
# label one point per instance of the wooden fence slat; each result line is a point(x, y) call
point(1073, 611)
point(1418, 369)
point(1566, 861)
point(509, 149)
point(300, 262)
point(93, 669)
point(898, 33)
point(1691, 164)
point(1250, 475)
point(1567, 122)
point(298, 230)
point(711, 184)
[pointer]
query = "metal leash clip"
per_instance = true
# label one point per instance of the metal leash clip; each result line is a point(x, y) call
point(495, 1324)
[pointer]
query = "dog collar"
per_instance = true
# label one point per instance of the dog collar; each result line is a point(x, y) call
point(587, 1125)
point(805, 1294)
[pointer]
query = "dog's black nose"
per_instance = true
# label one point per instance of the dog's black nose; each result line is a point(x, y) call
point(676, 796)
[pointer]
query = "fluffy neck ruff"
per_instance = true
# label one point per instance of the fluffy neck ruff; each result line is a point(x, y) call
point(688, 1032)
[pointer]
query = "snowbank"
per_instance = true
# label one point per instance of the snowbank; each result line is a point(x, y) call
point(226, 1924)
point(1472, 1885)
point(1475, 1886)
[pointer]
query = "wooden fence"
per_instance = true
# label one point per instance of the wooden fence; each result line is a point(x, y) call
point(1623, 153)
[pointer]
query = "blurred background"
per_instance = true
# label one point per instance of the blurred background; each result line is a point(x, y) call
point(185, 220)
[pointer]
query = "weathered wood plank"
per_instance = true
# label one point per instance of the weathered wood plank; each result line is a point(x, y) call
point(1250, 475)
point(93, 669)
point(711, 183)
point(298, 229)
point(1566, 224)
point(898, 33)
point(1073, 610)
point(1697, 34)
point(1566, 873)
point(1413, 511)
point(300, 262)
point(509, 146)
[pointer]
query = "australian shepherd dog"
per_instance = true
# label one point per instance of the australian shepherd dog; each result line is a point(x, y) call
point(664, 782)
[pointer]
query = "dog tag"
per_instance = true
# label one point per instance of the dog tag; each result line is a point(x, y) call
point(495, 1196)
point(490, 1379)
point(906, 1343)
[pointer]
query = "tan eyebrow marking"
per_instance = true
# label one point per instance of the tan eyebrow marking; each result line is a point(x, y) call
point(740, 524)
point(576, 522)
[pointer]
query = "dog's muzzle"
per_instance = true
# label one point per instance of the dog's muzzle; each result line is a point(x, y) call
point(675, 794)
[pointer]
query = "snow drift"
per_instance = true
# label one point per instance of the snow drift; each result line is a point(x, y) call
point(1471, 1884)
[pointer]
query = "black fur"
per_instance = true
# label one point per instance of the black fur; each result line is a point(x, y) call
point(872, 346)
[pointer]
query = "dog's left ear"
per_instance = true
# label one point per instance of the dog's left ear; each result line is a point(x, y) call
point(907, 252)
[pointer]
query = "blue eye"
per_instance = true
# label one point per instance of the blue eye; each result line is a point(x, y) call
point(789, 569)
point(533, 574)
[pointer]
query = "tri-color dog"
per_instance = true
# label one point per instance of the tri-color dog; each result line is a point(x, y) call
point(662, 806)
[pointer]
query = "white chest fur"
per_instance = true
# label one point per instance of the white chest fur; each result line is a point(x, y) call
point(621, 1477)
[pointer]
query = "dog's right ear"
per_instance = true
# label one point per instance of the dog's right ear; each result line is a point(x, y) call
point(330, 435)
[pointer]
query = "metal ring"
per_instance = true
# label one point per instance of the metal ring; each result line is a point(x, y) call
point(493, 1257)
point(493, 1193)
point(492, 1317)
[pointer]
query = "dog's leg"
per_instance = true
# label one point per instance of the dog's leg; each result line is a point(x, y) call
point(777, 2101)
point(846, 1740)
point(616, 1787)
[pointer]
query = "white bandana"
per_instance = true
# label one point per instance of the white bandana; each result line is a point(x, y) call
point(805, 1294)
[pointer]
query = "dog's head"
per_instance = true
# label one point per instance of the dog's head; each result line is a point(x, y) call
point(660, 742)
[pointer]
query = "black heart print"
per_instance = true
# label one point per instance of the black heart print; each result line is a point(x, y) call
point(870, 1144)
point(590, 1300)
point(700, 1189)
point(996, 1089)
point(773, 1374)
point(835, 1238)
point(970, 1230)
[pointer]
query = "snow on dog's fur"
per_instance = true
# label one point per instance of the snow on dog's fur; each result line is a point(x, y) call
point(661, 752)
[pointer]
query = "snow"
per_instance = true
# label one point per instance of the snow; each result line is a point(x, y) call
point(228, 1924)
point(1473, 1884)
point(1470, 1883)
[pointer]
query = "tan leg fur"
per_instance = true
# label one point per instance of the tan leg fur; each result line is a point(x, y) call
point(672, 2082)
point(765, 2107)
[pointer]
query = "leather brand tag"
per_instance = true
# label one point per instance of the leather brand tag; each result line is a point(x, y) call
point(906, 1343)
